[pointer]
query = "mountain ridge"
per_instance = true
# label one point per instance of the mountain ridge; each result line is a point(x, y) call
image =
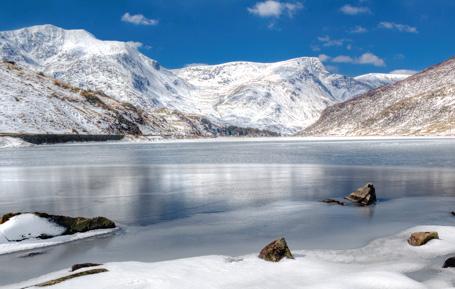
point(422, 104)
point(281, 97)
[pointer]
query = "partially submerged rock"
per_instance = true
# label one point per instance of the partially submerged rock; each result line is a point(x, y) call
point(275, 251)
point(79, 224)
point(333, 202)
point(364, 196)
point(449, 263)
point(76, 267)
point(421, 238)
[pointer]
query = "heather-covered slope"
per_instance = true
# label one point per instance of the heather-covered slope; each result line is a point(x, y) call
point(423, 104)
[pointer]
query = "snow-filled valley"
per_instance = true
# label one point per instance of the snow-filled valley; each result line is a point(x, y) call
point(282, 97)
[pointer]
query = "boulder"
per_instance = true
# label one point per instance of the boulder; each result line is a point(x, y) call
point(275, 251)
point(364, 196)
point(421, 238)
point(449, 263)
point(83, 265)
point(333, 202)
point(71, 225)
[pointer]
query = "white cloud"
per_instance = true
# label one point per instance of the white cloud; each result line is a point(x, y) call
point(324, 57)
point(343, 59)
point(366, 58)
point(139, 19)
point(358, 29)
point(404, 71)
point(354, 10)
point(274, 9)
point(397, 26)
point(370, 58)
point(328, 42)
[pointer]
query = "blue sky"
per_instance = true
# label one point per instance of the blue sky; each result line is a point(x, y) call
point(351, 37)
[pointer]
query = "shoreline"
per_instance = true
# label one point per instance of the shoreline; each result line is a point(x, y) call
point(386, 262)
point(11, 141)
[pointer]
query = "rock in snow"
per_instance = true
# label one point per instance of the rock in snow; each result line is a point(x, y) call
point(275, 251)
point(282, 97)
point(421, 238)
point(449, 263)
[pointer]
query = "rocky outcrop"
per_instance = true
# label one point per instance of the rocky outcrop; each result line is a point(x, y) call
point(72, 276)
point(275, 251)
point(364, 196)
point(79, 224)
point(71, 225)
point(76, 267)
point(449, 263)
point(421, 238)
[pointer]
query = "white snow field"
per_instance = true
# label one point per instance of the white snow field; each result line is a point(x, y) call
point(21, 233)
point(386, 263)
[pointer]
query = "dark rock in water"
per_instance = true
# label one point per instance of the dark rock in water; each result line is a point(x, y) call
point(364, 196)
point(421, 238)
point(453, 213)
point(72, 225)
point(449, 263)
point(275, 251)
point(32, 254)
point(333, 202)
point(83, 265)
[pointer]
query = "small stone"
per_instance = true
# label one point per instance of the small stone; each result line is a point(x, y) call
point(449, 263)
point(421, 238)
point(275, 251)
point(83, 265)
point(364, 196)
point(333, 202)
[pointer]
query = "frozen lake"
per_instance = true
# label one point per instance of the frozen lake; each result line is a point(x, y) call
point(177, 200)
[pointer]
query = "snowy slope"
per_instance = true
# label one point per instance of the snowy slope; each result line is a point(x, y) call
point(283, 97)
point(34, 103)
point(423, 104)
point(77, 57)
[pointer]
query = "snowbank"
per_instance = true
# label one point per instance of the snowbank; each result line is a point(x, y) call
point(384, 263)
point(28, 228)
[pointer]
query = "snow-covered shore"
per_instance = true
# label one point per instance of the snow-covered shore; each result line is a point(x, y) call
point(384, 263)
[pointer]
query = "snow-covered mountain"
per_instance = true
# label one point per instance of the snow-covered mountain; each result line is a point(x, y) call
point(374, 80)
point(282, 97)
point(422, 104)
point(34, 103)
